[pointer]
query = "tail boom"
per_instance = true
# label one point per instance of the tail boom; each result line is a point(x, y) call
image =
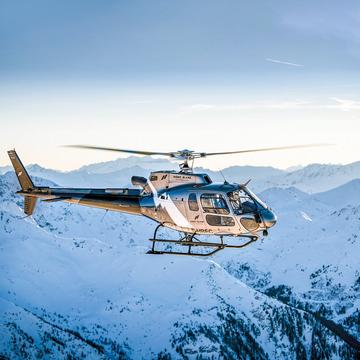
point(122, 200)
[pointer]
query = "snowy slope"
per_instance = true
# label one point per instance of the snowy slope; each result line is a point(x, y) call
point(316, 177)
point(78, 281)
point(342, 196)
point(4, 169)
point(311, 258)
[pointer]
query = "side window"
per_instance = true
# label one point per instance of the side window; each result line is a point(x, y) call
point(193, 204)
point(215, 220)
point(214, 203)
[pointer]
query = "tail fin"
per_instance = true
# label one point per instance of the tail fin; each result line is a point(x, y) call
point(22, 175)
point(25, 182)
point(29, 204)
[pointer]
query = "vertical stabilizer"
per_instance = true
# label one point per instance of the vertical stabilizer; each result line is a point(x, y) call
point(29, 204)
point(22, 175)
point(25, 182)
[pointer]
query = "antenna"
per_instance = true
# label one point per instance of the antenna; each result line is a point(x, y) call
point(246, 184)
point(225, 181)
point(106, 211)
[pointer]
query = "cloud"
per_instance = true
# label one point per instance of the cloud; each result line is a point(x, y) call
point(283, 62)
point(245, 106)
point(345, 104)
point(340, 104)
point(139, 102)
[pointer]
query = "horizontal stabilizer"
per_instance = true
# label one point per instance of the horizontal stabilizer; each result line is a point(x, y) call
point(57, 199)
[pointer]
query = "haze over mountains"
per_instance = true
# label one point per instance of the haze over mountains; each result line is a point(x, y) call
point(77, 281)
point(312, 178)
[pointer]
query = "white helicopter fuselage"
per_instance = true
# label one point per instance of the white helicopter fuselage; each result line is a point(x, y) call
point(191, 203)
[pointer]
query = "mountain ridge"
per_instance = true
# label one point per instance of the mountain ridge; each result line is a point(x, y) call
point(313, 178)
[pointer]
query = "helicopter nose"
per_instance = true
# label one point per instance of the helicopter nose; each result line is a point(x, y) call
point(268, 217)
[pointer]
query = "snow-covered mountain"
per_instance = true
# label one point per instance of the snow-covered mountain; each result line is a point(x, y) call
point(118, 173)
point(78, 282)
point(241, 174)
point(311, 258)
point(342, 196)
point(5, 169)
point(317, 177)
point(81, 178)
point(145, 162)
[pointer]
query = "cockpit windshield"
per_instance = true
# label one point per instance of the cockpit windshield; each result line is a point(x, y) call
point(256, 198)
point(244, 201)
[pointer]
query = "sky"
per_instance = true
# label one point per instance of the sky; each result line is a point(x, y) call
point(168, 75)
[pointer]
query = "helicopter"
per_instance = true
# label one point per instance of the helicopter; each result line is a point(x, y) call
point(190, 203)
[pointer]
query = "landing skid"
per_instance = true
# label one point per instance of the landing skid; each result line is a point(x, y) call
point(191, 241)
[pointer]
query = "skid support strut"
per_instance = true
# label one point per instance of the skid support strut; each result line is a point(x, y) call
point(191, 242)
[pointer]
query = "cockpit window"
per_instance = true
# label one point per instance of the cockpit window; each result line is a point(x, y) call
point(241, 202)
point(192, 201)
point(214, 203)
point(256, 198)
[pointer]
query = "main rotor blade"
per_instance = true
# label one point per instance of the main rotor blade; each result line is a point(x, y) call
point(188, 155)
point(138, 152)
point(264, 149)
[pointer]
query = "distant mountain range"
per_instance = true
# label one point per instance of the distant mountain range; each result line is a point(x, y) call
point(312, 178)
point(4, 169)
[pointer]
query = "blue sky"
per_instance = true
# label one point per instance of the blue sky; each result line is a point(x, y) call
point(207, 75)
point(121, 38)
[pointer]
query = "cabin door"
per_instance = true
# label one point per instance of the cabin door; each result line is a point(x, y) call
point(194, 211)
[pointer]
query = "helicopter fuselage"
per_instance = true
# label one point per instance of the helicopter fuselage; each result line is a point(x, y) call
point(191, 203)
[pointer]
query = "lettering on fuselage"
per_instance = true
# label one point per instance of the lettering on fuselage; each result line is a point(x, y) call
point(182, 177)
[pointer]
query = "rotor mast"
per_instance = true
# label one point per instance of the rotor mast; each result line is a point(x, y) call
point(187, 156)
